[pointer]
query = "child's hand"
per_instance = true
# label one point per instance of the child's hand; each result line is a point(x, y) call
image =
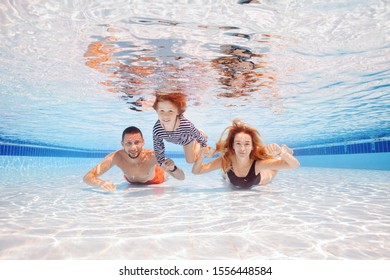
point(168, 165)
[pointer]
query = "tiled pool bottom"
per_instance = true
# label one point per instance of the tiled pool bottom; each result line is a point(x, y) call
point(47, 212)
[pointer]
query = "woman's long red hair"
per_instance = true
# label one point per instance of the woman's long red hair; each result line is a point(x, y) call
point(225, 145)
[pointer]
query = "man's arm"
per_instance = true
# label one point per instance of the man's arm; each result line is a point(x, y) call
point(92, 177)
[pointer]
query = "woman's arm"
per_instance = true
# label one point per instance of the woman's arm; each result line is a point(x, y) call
point(286, 160)
point(199, 167)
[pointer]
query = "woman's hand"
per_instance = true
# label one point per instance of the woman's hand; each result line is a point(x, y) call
point(273, 150)
point(287, 159)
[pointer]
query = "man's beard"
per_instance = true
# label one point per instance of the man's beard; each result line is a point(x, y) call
point(137, 155)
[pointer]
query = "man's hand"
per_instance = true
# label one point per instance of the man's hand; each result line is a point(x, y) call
point(107, 186)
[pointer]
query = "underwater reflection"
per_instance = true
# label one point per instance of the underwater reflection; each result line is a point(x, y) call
point(139, 68)
point(138, 76)
point(239, 71)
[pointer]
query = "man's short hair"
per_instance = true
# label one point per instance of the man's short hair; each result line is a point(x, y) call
point(131, 130)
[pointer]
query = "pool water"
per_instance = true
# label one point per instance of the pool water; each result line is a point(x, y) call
point(308, 74)
point(304, 73)
point(47, 212)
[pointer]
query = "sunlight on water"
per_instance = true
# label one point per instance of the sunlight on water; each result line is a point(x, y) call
point(308, 213)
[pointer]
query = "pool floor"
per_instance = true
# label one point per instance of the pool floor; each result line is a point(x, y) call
point(47, 212)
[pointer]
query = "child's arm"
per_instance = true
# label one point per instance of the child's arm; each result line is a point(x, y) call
point(158, 146)
point(170, 167)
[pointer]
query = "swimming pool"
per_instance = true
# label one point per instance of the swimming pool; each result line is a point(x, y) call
point(311, 75)
point(308, 213)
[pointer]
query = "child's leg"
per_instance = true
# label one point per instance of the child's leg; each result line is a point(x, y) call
point(191, 151)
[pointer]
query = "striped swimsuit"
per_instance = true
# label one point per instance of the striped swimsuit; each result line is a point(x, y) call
point(183, 135)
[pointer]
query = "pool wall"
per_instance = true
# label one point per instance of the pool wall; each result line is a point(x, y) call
point(373, 154)
point(356, 155)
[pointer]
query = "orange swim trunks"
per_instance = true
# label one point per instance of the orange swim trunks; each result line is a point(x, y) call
point(159, 177)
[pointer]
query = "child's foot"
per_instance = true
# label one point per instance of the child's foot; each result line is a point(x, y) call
point(203, 134)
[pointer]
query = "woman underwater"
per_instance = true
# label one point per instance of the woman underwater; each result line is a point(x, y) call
point(245, 160)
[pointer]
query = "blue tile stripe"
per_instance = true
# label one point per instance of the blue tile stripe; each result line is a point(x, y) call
point(39, 151)
point(381, 146)
point(27, 150)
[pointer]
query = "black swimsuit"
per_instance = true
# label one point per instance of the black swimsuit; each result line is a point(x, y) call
point(245, 182)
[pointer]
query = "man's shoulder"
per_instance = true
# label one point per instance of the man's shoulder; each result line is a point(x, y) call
point(148, 152)
point(149, 155)
point(112, 154)
point(117, 153)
